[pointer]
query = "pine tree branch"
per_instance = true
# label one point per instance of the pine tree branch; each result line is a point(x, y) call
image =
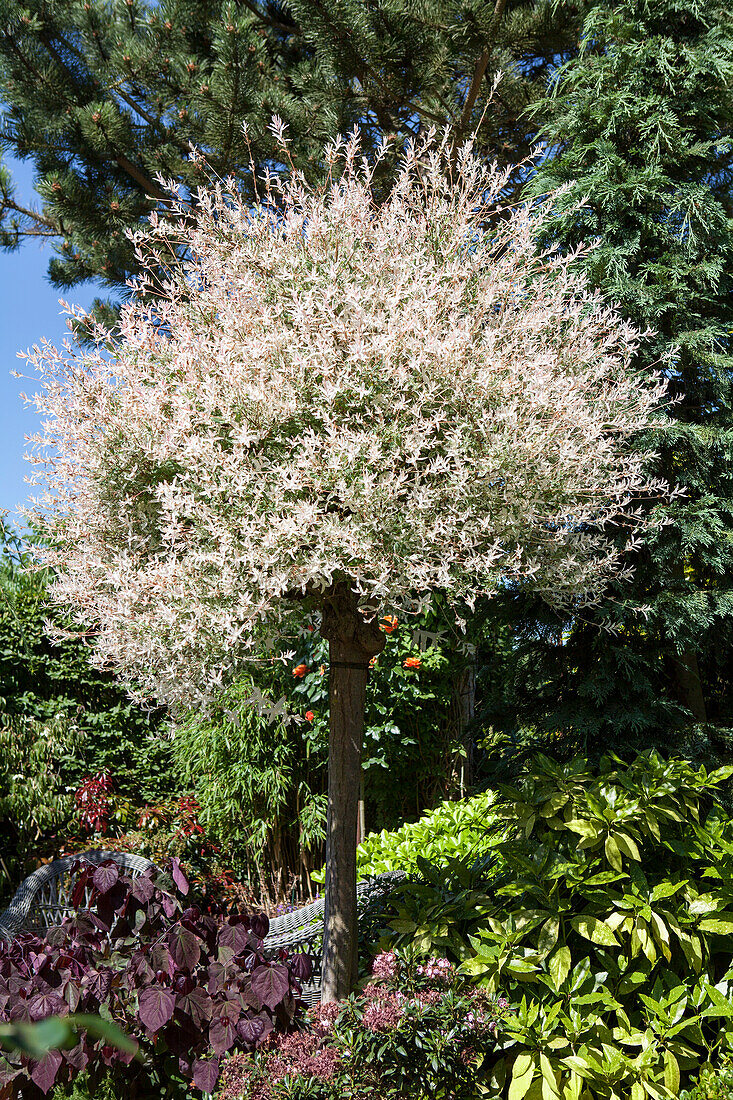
point(7, 203)
point(116, 88)
point(140, 177)
point(268, 20)
point(367, 70)
point(478, 74)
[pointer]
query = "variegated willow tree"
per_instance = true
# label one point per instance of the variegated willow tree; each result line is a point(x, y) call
point(341, 401)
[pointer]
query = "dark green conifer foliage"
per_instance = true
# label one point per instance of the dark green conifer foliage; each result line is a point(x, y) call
point(640, 125)
point(103, 95)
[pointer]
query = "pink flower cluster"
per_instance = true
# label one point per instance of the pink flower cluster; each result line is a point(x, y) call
point(437, 970)
point(384, 1012)
point(385, 965)
point(301, 1052)
point(323, 1017)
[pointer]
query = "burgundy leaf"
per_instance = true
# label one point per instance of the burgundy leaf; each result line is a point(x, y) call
point(217, 977)
point(185, 947)
point(206, 1074)
point(169, 906)
point(183, 983)
point(260, 925)
point(8, 1073)
point(225, 955)
point(254, 1029)
point(233, 937)
point(19, 1012)
point(221, 1034)
point(142, 889)
point(178, 876)
point(77, 894)
point(44, 1072)
point(97, 983)
point(271, 984)
point(77, 1057)
point(190, 916)
point(105, 876)
point(302, 967)
point(161, 959)
point(198, 1005)
point(155, 1007)
point(72, 995)
point(47, 1004)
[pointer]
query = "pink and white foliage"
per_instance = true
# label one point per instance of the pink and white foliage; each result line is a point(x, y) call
point(331, 388)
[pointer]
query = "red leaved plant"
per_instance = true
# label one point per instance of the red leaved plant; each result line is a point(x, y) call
point(189, 985)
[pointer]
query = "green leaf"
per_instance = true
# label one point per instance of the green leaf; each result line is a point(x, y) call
point(548, 936)
point(583, 826)
point(523, 1072)
point(559, 965)
point(595, 931)
point(613, 854)
point(720, 925)
point(628, 846)
point(667, 889)
point(671, 1073)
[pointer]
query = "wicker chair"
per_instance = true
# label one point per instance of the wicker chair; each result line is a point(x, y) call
point(43, 900)
point(302, 930)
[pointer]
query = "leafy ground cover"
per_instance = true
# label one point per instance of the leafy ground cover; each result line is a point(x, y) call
point(413, 1030)
point(587, 910)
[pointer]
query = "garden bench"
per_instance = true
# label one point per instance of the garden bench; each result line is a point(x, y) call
point(44, 899)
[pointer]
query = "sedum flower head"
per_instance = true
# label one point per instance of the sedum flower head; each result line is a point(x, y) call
point(407, 394)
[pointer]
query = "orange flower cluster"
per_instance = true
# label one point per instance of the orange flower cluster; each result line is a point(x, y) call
point(299, 671)
point(389, 623)
point(309, 716)
point(411, 662)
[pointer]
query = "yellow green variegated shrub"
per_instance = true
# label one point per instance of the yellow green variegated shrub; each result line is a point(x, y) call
point(612, 929)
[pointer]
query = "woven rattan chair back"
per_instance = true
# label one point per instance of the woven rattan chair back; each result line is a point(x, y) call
point(44, 899)
point(302, 930)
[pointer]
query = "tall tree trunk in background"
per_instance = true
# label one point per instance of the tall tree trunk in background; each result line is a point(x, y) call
point(466, 706)
point(689, 684)
point(352, 644)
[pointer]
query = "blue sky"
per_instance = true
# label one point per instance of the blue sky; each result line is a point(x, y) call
point(29, 309)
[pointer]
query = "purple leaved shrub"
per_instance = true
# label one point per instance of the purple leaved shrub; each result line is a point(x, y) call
point(187, 986)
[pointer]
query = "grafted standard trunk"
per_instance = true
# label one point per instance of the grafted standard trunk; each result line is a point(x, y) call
point(352, 644)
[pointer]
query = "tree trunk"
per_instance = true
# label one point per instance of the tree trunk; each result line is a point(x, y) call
point(689, 684)
point(466, 703)
point(352, 644)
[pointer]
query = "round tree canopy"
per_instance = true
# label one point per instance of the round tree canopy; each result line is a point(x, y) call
point(404, 394)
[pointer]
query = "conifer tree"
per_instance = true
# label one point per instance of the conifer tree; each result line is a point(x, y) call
point(640, 126)
point(102, 95)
